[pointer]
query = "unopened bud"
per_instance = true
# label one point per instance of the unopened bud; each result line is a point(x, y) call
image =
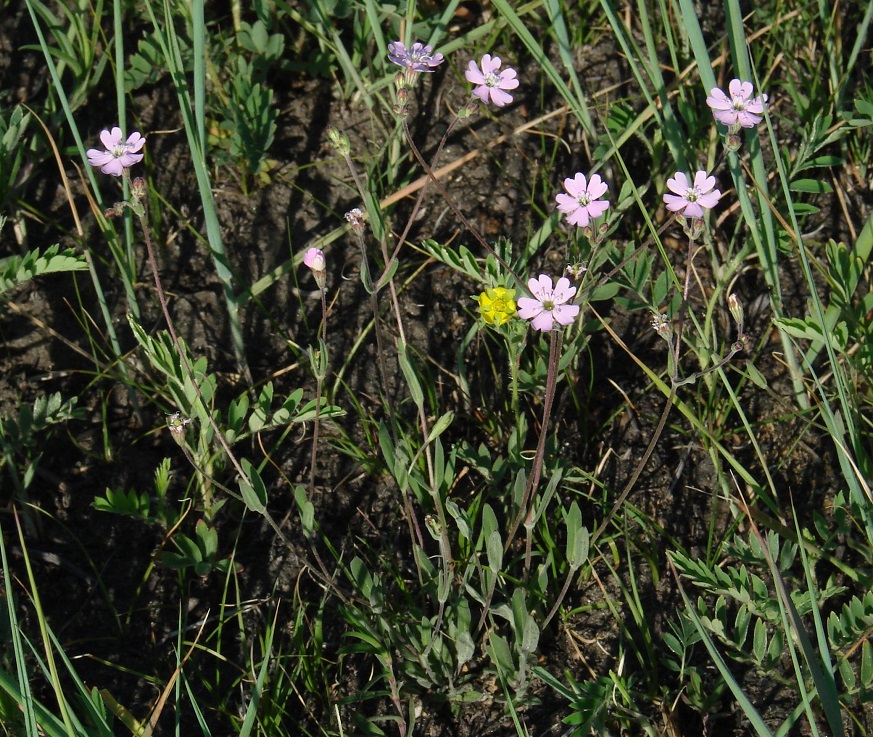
point(138, 188)
point(116, 211)
point(339, 140)
point(736, 309)
point(694, 228)
point(733, 142)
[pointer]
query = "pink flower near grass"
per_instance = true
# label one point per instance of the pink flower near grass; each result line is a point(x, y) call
point(689, 200)
point(548, 304)
point(118, 155)
point(489, 83)
point(314, 259)
point(418, 58)
point(582, 204)
point(739, 109)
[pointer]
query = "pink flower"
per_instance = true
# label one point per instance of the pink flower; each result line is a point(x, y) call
point(489, 82)
point(548, 305)
point(692, 201)
point(738, 110)
point(118, 156)
point(583, 202)
point(418, 58)
point(314, 259)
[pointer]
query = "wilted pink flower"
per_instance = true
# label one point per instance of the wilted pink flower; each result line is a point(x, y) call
point(489, 83)
point(738, 110)
point(692, 201)
point(418, 58)
point(583, 202)
point(118, 156)
point(548, 304)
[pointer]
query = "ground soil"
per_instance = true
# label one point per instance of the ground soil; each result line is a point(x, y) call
point(118, 616)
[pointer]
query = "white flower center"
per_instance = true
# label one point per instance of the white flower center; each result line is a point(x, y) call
point(584, 199)
point(491, 79)
point(119, 150)
point(692, 195)
point(548, 304)
point(738, 103)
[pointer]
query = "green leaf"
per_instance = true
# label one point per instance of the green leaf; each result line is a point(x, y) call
point(252, 488)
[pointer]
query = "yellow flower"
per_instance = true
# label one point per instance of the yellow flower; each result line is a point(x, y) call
point(497, 305)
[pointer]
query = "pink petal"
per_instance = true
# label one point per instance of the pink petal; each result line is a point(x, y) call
point(110, 139)
point(114, 167)
point(738, 88)
point(490, 64)
point(499, 97)
point(597, 187)
point(703, 182)
point(710, 199)
point(543, 283)
point(135, 142)
point(693, 210)
point(580, 217)
point(725, 117)
point(718, 100)
point(528, 307)
point(565, 314)
point(482, 93)
point(577, 185)
point(678, 183)
point(473, 75)
point(542, 322)
point(596, 209)
point(674, 202)
point(566, 203)
point(563, 290)
point(96, 157)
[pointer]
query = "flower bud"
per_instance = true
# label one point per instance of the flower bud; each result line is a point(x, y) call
point(736, 308)
point(314, 259)
point(339, 140)
point(733, 142)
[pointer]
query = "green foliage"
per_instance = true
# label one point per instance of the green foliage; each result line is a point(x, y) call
point(17, 270)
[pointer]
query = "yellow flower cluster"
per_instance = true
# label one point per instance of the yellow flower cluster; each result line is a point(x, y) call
point(497, 305)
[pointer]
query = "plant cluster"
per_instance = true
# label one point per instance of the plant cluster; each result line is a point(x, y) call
point(508, 541)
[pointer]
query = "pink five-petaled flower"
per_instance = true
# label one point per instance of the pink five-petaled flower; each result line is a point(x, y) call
point(583, 202)
point(418, 58)
point(489, 83)
point(691, 200)
point(548, 304)
point(739, 109)
point(118, 156)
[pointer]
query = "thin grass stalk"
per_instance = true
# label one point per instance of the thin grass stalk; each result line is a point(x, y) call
point(24, 697)
point(44, 633)
point(168, 42)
